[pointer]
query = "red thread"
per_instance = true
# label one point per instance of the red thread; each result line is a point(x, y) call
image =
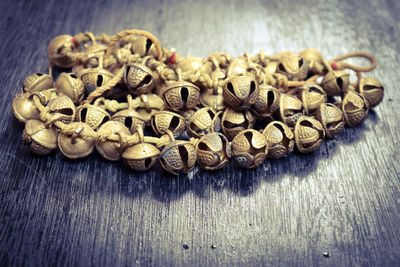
point(172, 59)
point(334, 65)
point(74, 41)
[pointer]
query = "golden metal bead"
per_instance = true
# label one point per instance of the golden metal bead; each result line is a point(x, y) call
point(233, 122)
point(355, 108)
point(372, 90)
point(93, 52)
point(314, 59)
point(62, 107)
point(280, 139)
point(290, 109)
point(240, 91)
point(92, 115)
point(312, 97)
point(179, 156)
point(37, 82)
point(331, 118)
point(336, 82)
point(130, 118)
point(56, 51)
point(151, 103)
point(181, 95)
point(249, 148)
point(139, 78)
point(75, 146)
point(166, 120)
point(41, 140)
point(24, 108)
point(293, 66)
point(213, 151)
point(70, 85)
point(144, 47)
point(203, 121)
point(192, 64)
point(267, 101)
point(237, 67)
point(271, 67)
point(209, 99)
point(309, 134)
point(93, 78)
point(111, 150)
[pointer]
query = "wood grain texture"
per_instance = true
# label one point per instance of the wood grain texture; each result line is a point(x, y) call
point(343, 199)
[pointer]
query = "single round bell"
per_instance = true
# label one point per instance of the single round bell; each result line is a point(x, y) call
point(92, 115)
point(249, 148)
point(62, 106)
point(37, 82)
point(336, 82)
point(41, 140)
point(24, 108)
point(213, 151)
point(331, 118)
point(309, 134)
point(111, 149)
point(203, 121)
point(142, 156)
point(192, 64)
point(150, 104)
point(181, 95)
point(240, 91)
point(179, 156)
point(267, 101)
point(372, 90)
point(234, 122)
point(290, 109)
point(130, 118)
point(312, 97)
point(314, 59)
point(293, 66)
point(139, 78)
point(70, 85)
point(144, 47)
point(166, 120)
point(355, 108)
point(93, 78)
point(77, 145)
point(280, 139)
point(57, 51)
point(237, 67)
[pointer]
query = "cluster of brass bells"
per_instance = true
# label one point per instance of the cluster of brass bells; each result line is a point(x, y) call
point(200, 110)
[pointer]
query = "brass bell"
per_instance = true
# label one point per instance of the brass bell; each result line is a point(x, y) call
point(178, 156)
point(24, 108)
point(240, 91)
point(267, 101)
point(213, 151)
point(192, 64)
point(355, 108)
point(144, 47)
point(130, 118)
point(331, 118)
point(93, 52)
point(187, 114)
point(92, 115)
point(139, 78)
point(280, 139)
point(62, 107)
point(249, 148)
point(150, 104)
point(293, 66)
point(111, 149)
point(314, 59)
point(372, 90)
point(290, 109)
point(93, 78)
point(237, 67)
point(233, 122)
point(312, 97)
point(78, 144)
point(336, 82)
point(37, 82)
point(57, 51)
point(271, 67)
point(309, 134)
point(142, 156)
point(163, 121)
point(215, 101)
point(70, 85)
point(181, 95)
point(203, 121)
point(41, 140)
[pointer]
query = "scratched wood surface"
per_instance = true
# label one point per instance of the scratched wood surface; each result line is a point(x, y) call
point(343, 199)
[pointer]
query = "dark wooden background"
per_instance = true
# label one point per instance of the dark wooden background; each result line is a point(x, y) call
point(343, 199)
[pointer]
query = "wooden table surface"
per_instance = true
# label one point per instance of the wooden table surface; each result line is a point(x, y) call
point(343, 199)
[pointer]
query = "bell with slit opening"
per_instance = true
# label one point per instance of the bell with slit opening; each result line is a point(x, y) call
point(163, 121)
point(290, 109)
point(280, 139)
point(62, 108)
point(336, 82)
point(180, 95)
point(309, 134)
point(37, 82)
point(233, 122)
point(293, 66)
point(139, 78)
point(59, 51)
point(267, 101)
point(372, 90)
point(213, 151)
point(92, 115)
point(70, 85)
point(240, 92)
point(179, 156)
point(203, 121)
point(355, 108)
point(331, 118)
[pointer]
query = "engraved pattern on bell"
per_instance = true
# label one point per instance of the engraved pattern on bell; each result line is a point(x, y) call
point(267, 101)
point(355, 108)
point(92, 115)
point(293, 65)
point(37, 82)
point(251, 145)
point(181, 95)
point(336, 82)
point(213, 151)
point(234, 122)
point(167, 120)
point(240, 91)
point(179, 156)
point(309, 134)
point(203, 121)
point(130, 118)
point(290, 109)
point(141, 157)
point(40, 139)
point(139, 79)
point(372, 90)
point(280, 139)
point(331, 118)
point(312, 97)
point(93, 78)
point(62, 106)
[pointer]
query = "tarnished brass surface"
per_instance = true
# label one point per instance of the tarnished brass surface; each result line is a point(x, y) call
point(249, 148)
